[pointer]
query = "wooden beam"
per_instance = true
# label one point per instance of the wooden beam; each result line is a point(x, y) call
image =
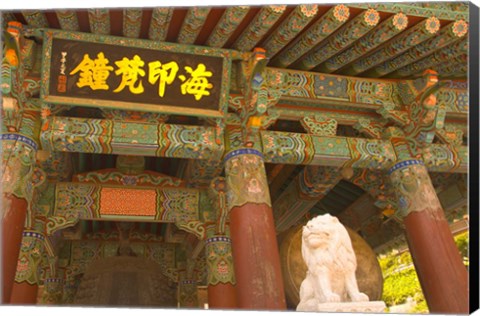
point(228, 23)
point(328, 23)
point(419, 33)
point(447, 35)
point(128, 138)
point(306, 189)
point(76, 201)
point(68, 20)
point(441, 56)
point(445, 11)
point(341, 39)
point(35, 18)
point(192, 24)
point(262, 22)
point(336, 151)
point(382, 33)
point(132, 22)
point(99, 21)
point(296, 21)
point(159, 23)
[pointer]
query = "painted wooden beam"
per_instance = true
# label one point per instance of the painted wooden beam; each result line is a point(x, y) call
point(99, 21)
point(200, 172)
point(159, 23)
point(328, 23)
point(438, 57)
point(228, 23)
point(35, 18)
point(296, 21)
point(382, 33)
point(333, 151)
point(407, 39)
point(336, 151)
point(7, 17)
point(260, 25)
point(447, 35)
point(455, 68)
point(332, 89)
point(450, 11)
point(192, 24)
point(306, 189)
point(276, 182)
point(132, 22)
point(76, 201)
point(344, 37)
point(68, 20)
point(128, 138)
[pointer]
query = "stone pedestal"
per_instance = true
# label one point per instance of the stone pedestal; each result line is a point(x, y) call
point(349, 307)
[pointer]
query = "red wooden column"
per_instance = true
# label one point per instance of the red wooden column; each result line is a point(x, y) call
point(442, 275)
point(25, 287)
point(254, 243)
point(12, 227)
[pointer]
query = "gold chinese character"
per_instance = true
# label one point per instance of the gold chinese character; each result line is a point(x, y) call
point(130, 70)
point(166, 73)
point(93, 73)
point(197, 83)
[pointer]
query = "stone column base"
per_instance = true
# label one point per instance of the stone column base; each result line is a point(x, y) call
point(348, 307)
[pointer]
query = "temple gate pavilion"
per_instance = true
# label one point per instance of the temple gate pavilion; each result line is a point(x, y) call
point(153, 156)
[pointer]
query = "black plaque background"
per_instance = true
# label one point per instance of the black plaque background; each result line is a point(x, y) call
point(76, 50)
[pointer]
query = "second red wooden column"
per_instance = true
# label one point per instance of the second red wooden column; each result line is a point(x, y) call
point(254, 242)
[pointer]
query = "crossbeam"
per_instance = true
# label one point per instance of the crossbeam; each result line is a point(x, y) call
point(75, 201)
point(128, 138)
point(337, 151)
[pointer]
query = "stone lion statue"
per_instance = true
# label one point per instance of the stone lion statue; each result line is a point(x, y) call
point(331, 264)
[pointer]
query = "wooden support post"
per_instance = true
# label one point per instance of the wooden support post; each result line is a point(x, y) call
point(254, 243)
point(221, 278)
point(15, 212)
point(24, 291)
point(442, 275)
point(218, 249)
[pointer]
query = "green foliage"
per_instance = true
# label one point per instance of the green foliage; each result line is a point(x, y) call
point(401, 280)
point(461, 241)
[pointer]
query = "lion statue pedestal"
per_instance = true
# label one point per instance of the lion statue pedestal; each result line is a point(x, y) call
point(330, 284)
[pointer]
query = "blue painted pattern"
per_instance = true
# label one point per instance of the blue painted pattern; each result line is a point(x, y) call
point(24, 139)
point(243, 151)
point(404, 164)
point(218, 239)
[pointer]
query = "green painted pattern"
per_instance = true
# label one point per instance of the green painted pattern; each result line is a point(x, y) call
point(99, 21)
point(443, 55)
point(303, 193)
point(407, 39)
point(5, 18)
point(35, 18)
point(327, 24)
point(132, 22)
point(450, 11)
point(260, 25)
point(341, 39)
point(105, 136)
point(458, 67)
point(447, 35)
point(159, 23)
point(297, 20)
point(228, 23)
point(384, 32)
point(192, 24)
point(68, 20)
